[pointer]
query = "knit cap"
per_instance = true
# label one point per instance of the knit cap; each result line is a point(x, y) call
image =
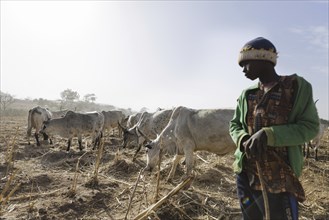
point(258, 49)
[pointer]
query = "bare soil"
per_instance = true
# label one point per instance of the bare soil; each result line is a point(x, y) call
point(45, 182)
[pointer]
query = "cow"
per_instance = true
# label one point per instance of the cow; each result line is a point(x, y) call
point(148, 126)
point(111, 120)
point(191, 130)
point(315, 142)
point(36, 117)
point(75, 124)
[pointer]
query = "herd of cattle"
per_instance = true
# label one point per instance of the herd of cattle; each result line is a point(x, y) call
point(179, 131)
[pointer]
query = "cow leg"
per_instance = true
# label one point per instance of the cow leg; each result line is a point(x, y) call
point(316, 153)
point(37, 139)
point(120, 132)
point(95, 142)
point(138, 149)
point(29, 135)
point(45, 137)
point(80, 142)
point(139, 146)
point(189, 158)
point(99, 138)
point(68, 144)
point(308, 150)
point(175, 161)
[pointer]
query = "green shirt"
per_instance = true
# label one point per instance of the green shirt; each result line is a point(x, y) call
point(302, 126)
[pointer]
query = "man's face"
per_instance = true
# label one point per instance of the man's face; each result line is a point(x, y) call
point(252, 68)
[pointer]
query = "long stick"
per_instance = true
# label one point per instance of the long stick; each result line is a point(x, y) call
point(146, 212)
point(132, 196)
point(265, 198)
point(156, 197)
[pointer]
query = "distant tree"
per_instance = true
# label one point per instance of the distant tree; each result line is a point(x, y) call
point(42, 102)
point(68, 97)
point(89, 97)
point(5, 100)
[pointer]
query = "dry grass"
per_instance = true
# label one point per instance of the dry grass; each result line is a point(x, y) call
point(37, 183)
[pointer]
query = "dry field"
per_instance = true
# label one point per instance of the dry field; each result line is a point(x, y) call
point(47, 183)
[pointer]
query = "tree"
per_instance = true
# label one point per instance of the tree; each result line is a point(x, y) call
point(90, 97)
point(6, 99)
point(69, 96)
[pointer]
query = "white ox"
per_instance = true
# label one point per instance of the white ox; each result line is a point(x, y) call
point(37, 116)
point(75, 124)
point(192, 130)
point(148, 126)
point(111, 120)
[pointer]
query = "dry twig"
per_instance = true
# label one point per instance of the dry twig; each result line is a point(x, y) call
point(174, 191)
point(156, 197)
point(133, 193)
point(72, 191)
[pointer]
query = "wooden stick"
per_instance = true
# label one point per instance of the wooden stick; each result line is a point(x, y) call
point(34, 195)
point(156, 197)
point(174, 191)
point(72, 191)
point(132, 196)
point(6, 187)
point(202, 158)
point(94, 179)
point(265, 198)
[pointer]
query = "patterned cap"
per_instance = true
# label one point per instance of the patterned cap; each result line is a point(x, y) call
point(258, 49)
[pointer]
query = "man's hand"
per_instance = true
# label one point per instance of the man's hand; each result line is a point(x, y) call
point(256, 145)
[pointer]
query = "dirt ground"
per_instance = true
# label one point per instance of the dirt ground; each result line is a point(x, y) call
point(45, 182)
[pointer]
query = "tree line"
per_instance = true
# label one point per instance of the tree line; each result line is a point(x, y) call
point(69, 100)
point(68, 97)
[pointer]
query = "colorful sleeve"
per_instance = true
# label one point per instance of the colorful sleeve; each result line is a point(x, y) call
point(303, 121)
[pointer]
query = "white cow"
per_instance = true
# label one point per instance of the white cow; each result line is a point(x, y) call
point(37, 116)
point(75, 124)
point(192, 130)
point(148, 126)
point(111, 120)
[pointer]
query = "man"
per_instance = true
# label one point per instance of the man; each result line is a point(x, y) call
point(272, 120)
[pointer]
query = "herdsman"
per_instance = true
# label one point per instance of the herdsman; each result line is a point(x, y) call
point(272, 120)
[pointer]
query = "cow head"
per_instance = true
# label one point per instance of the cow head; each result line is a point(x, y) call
point(129, 136)
point(152, 154)
point(45, 129)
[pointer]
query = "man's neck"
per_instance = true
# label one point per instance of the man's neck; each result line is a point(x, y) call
point(269, 77)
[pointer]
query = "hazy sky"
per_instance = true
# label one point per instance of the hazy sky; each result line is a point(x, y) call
point(134, 54)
